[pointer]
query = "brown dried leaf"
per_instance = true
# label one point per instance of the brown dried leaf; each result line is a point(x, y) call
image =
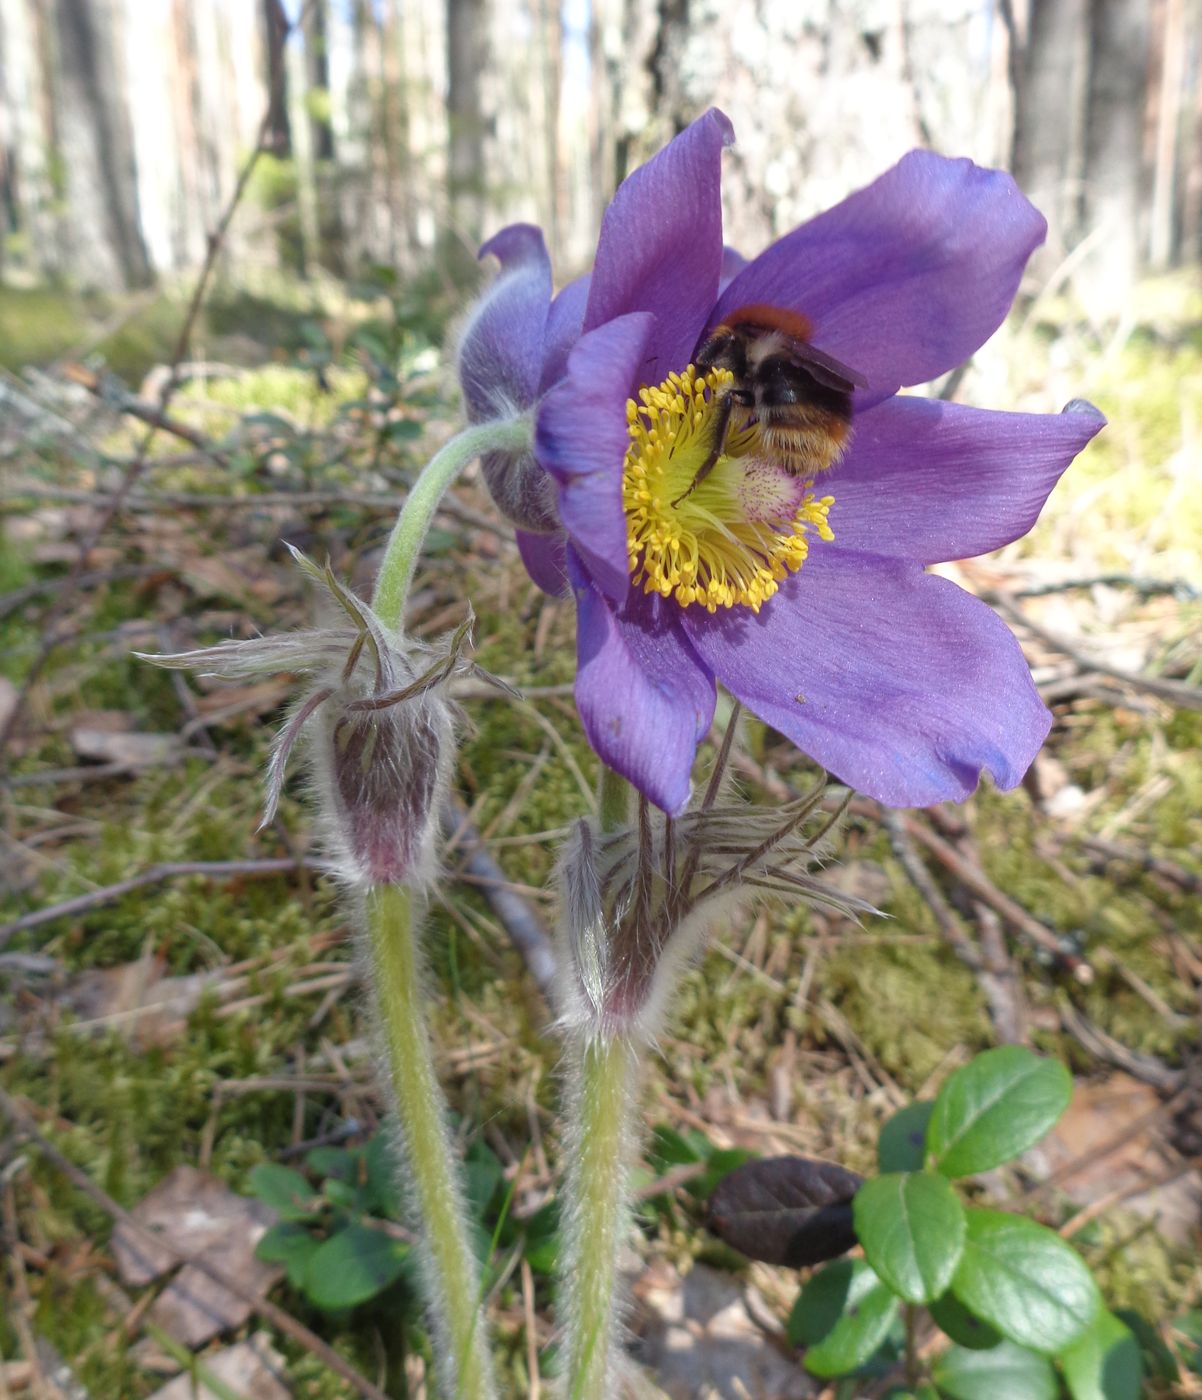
point(198, 1215)
point(786, 1210)
point(252, 1369)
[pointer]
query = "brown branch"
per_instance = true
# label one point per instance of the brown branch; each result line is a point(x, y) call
point(520, 922)
point(156, 875)
point(1185, 697)
point(268, 1311)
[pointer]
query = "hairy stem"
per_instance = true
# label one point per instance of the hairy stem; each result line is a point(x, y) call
point(452, 1275)
point(409, 533)
point(602, 1136)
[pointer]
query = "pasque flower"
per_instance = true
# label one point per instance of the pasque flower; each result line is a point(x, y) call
point(807, 597)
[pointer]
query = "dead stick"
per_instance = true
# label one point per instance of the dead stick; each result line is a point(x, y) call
point(974, 878)
point(521, 923)
point(268, 1311)
point(155, 875)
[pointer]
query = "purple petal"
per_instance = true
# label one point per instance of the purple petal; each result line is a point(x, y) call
point(543, 556)
point(565, 322)
point(930, 481)
point(899, 683)
point(501, 351)
point(645, 699)
point(661, 244)
point(581, 438)
point(907, 278)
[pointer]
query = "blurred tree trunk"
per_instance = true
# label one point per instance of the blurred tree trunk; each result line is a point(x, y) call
point(275, 21)
point(1114, 169)
point(1048, 135)
point(317, 79)
point(95, 145)
point(467, 55)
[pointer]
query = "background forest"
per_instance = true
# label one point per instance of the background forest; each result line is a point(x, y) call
point(236, 237)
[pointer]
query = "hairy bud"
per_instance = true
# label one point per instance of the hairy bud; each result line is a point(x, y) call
point(637, 903)
point(500, 363)
point(376, 725)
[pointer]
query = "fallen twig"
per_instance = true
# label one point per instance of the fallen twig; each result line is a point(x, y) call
point(155, 875)
point(521, 923)
point(1179, 693)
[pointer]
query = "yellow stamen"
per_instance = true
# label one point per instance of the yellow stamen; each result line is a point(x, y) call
point(732, 538)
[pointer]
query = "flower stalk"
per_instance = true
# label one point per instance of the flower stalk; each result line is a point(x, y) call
point(601, 1139)
point(409, 533)
point(452, 1274)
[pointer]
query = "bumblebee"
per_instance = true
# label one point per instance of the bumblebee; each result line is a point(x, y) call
point(798, 397)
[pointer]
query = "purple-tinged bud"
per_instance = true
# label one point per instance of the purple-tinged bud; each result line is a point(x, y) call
point(499, 364)
point(377, 728)
point(637, 903)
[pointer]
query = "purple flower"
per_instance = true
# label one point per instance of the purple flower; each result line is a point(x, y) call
point(808, 600)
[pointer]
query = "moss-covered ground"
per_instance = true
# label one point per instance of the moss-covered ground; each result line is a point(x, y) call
point(798, 1031)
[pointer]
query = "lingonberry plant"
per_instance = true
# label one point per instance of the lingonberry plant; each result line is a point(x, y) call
point(1018, 1304)
point(711, 456)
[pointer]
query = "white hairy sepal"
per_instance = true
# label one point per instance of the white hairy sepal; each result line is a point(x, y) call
point(638, 903)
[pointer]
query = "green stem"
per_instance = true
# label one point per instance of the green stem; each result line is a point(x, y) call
point(452, 1274)
point(597, 1209)
point(511, 435)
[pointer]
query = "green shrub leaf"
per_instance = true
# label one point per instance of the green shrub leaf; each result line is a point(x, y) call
point(952, 1317)
point(290, 1244)
point(1105, 1363)
point(841, 1317)
point(901, 1146)
point(1006, 1372)
point(1025, 1281)
point(286, 1191)
point(995, 1107)
point(353, 1266)
point(912, 1228)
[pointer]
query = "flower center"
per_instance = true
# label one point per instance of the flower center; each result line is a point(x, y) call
point(729, 538)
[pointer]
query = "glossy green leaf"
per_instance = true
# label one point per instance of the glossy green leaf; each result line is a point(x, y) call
point(1105, 1363)
point(286, 1191)
point(911, 1225)
point(382, 1187)
point(332, 1161)
point(841, 1317)
point(1025, 1281)
point(352, 1266)
point(291, 1244)
point(995, 1107)
point(901, 1146)
point(1005, 1372)
point(951, 1316)
point(483, 1174)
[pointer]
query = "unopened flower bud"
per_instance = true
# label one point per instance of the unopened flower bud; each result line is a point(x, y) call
point(377, 726)
point(637, 903)
point(500, 364)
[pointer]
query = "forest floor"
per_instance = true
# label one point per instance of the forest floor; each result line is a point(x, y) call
point(179, 1000)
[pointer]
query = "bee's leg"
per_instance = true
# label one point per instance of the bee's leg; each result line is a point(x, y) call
point(721, 422)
